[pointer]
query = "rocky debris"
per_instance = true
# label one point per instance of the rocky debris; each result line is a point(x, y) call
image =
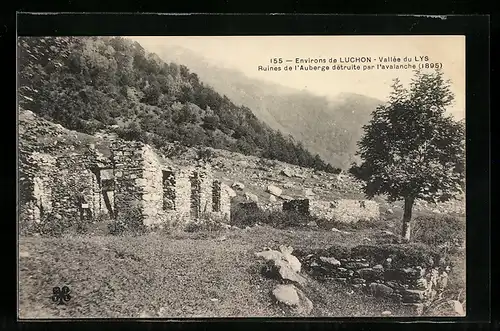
point(308, 192)
point(24, 254)
point(380, 290)
point(283, 264)
point(330, 261)
point(272, 198)
point(293, 299)
point(386, 313)
point(389, 211)
point(415, 308)
point(312, 224)
point(274, 190)
point(251, 197)
point(286, 172)
point(230, 192)
point(238, 186)
point(411, 284)
point(292, 260)
point(447, 308)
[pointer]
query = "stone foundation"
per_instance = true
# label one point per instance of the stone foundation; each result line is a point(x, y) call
point(343, 210)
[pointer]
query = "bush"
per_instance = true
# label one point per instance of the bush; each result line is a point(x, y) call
point(207, 222)
point(439, 231)
point(130, 223)
point(241, 217)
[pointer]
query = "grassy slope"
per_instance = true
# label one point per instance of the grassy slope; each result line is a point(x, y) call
point(130, 276)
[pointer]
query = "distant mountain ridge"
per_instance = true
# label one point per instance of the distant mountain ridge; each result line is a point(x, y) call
point(329, 127)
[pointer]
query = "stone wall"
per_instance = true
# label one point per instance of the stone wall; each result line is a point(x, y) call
point(161, 193)
point(135, 186)
point(344, 210)
point(54, 184)
point(412, 283)
point(300, 206)
point(127, 158)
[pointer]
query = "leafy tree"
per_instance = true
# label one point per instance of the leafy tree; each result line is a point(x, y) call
point(411, 149)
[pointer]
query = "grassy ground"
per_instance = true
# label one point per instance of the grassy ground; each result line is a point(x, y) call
point(184, 275)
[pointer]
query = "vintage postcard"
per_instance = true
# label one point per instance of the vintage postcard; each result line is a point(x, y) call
point(241, 176)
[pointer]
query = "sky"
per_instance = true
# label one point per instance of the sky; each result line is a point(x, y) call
point(246, 53)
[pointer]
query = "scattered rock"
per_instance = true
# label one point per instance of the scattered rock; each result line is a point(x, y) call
point(357, 265)
point(286, 294)
point(390, 211)
point(315, 176)
point(309, 192)
point(330, 261)
point(272, 198)
point(358, 281)
point(274, 190)
point(366, 239)
point(238, 186)
point(380, 290)
point(312, 224)
point(230, 192)
point(286, 272)
point(24, 254)
point(386, 313)
point(335, 230)
point(293, 298)
point(448, 308)
point(251, 197)
point(286, 172)
point(292, 260)
point(415, 308)
point(370, 274)
point(214, 299)
point(283, 264)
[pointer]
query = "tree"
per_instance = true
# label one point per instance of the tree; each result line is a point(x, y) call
point(411, 149)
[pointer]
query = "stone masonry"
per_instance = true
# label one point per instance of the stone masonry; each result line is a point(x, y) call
point(345, 210)
point(134, 185)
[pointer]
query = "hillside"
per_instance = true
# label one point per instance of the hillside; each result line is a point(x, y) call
point(330, 127)
point(90, 84)
point(251, 173)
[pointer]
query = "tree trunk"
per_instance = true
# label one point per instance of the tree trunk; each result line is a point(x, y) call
point(407, 218)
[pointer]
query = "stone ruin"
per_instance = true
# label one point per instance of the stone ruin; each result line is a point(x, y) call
point(343, 210)
point(134, 183)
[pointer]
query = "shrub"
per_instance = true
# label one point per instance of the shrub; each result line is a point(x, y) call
point(241, 217)
point(439, 231)
point(279, 219)
point(130, 223)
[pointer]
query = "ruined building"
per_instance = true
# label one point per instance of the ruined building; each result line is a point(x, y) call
point(133, 184)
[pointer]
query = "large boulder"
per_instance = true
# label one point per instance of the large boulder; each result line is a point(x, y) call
point(251, 197)
point(330, 261)
point(283, 264)
point(274, 190)
point(286, 172)
point(292, 260)
point(238, 186)
point(293, 299)
point(380, 290)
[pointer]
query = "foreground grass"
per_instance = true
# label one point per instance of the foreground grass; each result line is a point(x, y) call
point(185, 275)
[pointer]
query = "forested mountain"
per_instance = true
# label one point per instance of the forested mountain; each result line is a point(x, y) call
point(111, 83)
point(329, 126)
